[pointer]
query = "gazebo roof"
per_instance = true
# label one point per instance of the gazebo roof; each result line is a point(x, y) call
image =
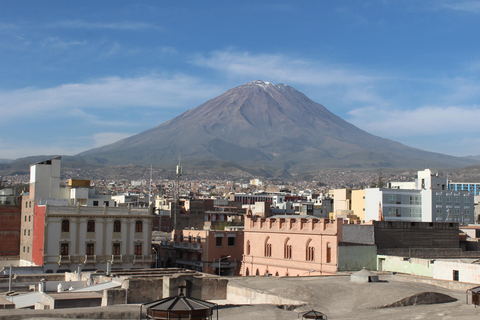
point(180, 307)
point(179, 303)
point(313, 315)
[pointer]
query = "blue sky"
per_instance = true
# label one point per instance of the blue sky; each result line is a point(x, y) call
point(81, 74)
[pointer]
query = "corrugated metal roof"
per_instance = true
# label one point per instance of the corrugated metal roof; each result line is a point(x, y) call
point(25, 300)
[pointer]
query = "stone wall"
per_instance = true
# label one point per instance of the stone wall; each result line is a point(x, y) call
point(242, 295)
point(114, 296)
point(141, 290)
point(429, 253)
point(356, 233)
point(396, 234)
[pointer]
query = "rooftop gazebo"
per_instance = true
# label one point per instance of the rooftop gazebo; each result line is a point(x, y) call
point(180, 307)
point(313, 315)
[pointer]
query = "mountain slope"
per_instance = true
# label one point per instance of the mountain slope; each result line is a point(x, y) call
point(262, 124)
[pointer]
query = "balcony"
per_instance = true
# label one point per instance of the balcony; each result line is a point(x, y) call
point(190, 263)
point(90, 259)
point(116, 258)
point(64, 259)
point(188, 246)
point(144, 258)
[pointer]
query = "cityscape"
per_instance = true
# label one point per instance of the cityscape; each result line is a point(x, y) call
point(230, 160)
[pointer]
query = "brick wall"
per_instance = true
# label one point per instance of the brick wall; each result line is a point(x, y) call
point(10, 230)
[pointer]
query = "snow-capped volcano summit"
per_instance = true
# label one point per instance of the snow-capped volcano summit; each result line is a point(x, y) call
point(261, 124)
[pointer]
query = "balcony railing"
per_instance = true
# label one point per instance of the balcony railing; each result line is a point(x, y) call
point(188, 246)
point(116, 258)
point(64, 259)
point(144, 258)
point(90, 259)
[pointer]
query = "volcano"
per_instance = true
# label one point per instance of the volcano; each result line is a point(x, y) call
point(260, 125)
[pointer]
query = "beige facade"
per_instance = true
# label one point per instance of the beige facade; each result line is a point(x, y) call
point(358, 204)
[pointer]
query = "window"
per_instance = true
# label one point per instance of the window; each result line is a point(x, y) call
point(231, 241)
point(116, 249)
point(138, 226)
point(90, 249)
point(415, 212)
point(64, 249)
point(310, 254)
point(456, 201)
point(28, 232)
point(466, 200)
point(287, 250)
point(29, 218)
point(456, 275)
point(439, 200)
point(248, 247)
point(117, 226)
point(24, 232)
point(415, 200)
point(138, 249)
point(90, 226)
point(106, 203)
point(95, 203)
point(392, 199)
point(218, 241)
point(65, 226)
point(26, 206)
point(449, 201)
point(268, 248)
point(28, 249)
point(29, 204)
point(329, 253)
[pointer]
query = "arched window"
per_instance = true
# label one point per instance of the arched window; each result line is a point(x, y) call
point(287, 254)
point(247, 272)
point(138, 226)
point(65, 226)
point(268, 248)
point(248, 247)
point(90, 226)
point(310, 251)
point(329, 252)
point(117, 226)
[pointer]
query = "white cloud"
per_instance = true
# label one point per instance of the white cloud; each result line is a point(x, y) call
point(114, 92)
point(102, 25)
point(472, 6)
point(283, 68)
point(104, 138)
point(427, 120)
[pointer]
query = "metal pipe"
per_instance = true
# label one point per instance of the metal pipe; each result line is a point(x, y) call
point(10, 279)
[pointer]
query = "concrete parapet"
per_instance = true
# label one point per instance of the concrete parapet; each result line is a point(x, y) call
point(114, 296)
point(242, 295)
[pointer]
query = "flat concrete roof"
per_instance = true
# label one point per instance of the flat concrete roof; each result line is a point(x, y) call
point(335, 296)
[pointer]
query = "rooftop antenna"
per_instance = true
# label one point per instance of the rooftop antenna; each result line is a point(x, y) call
point(150, 191)
point(176, 196)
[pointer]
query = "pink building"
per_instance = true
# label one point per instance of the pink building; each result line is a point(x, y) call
point(291, 246)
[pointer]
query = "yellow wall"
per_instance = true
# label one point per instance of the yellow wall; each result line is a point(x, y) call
point(358, 203)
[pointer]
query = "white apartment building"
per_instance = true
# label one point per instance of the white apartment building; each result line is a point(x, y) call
point(430, 201)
